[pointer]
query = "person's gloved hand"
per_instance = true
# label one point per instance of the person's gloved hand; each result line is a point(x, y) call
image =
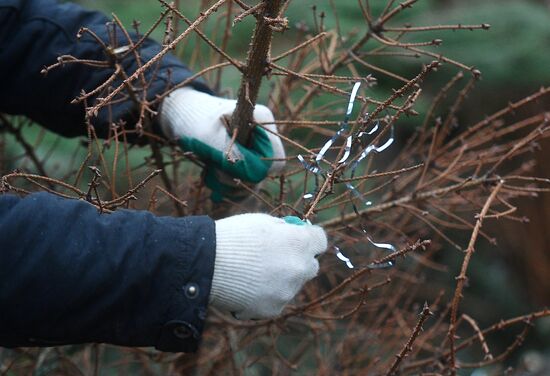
point(195, 119)
point(262, 262)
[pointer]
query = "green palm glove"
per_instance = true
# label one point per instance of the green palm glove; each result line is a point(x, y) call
point(195, 119)
point(250, 167)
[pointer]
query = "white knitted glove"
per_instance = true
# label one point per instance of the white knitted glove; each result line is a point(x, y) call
point(195, 120)
point(262, 262)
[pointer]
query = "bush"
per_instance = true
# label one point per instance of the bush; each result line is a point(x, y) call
point(392, 210)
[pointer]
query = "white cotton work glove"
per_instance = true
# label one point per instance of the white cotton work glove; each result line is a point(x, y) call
point(262, 262)
point(195, 120)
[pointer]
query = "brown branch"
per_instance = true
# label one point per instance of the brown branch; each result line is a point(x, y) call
point(401, 253)
point(255, 69)
point(204, 15)
point(461, 279)
point(28, 148)
point(483, 26)
point(482, 339)
point(408, 346)
point(530, 317)
point(387, 16)
point(434, 193)
point(520, 338)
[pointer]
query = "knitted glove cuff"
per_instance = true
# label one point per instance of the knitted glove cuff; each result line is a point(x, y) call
point(237, 270)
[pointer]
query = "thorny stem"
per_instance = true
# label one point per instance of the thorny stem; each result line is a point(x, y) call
point(510, 108)
point(456, 174)
point(28, 148)
point(394, 255)
point(256, 67)
point(408, 346)
point(461, 279)
point(468, 341)
point(204, 15)
point(130, 194)
point(438, 27)
point(520, 338)
point(398, 93)
point(437, 192)
point(346, 282)
point(220, 51)
point(386, 17)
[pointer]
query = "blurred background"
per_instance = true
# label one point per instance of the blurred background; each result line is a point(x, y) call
point(512, 277)
point(509, 279)
point(514, 58)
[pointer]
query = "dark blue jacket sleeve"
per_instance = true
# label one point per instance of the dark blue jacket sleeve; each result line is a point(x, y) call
point(33, 33)
point(71, 275)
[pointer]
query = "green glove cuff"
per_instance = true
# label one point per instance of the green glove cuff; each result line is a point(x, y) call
point(293, 220)
point(221, 190)
point(250, 168)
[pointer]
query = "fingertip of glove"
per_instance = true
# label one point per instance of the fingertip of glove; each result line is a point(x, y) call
point(262, 114)
point(312, 238)
point(319, 242)
point(314, 269)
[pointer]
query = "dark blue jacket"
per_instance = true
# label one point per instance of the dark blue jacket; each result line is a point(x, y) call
point(67, 273)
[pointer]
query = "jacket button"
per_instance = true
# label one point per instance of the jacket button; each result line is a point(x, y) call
point(182, 332)
point(191, 290)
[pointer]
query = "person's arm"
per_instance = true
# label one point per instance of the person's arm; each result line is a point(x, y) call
point(34, 33)
point(71, 275)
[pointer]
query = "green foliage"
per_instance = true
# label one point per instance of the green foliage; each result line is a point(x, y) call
point(513, 53)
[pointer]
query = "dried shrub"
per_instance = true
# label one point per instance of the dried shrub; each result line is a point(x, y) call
point(382, 204)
